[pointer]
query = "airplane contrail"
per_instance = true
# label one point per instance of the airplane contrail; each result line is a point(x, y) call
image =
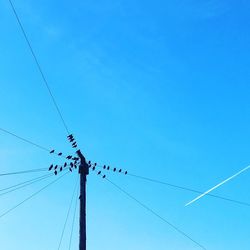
point(218, 185)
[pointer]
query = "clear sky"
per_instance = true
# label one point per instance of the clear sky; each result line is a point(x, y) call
point(158, 88)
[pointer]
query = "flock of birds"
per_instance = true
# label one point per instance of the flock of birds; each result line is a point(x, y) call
point(73, 162)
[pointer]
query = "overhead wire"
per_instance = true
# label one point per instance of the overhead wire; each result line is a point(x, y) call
point(189, 189)
point(24, 172)
point(24, 184)
point(156, 214)
point(31, 196)
point(73, 222)
point(68, 212)
point(38, 65)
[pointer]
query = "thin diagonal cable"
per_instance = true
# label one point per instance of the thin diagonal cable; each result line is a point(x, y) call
point(38, 64)
point(25, 171)
point(73, 222)
point(31, 196)
point(67, 216)
point(156, 214)
point(27, 183)
point(189, 189)
point(25, 140)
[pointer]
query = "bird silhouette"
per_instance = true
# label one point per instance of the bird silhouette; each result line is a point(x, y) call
point(104, 176)
point(61, 169)
point(120, 171)
point(70, 169)
point(104, 167)
point(93, 168)
point(95, 164)
point(60, 154)
point(52, 151)
point(71, 164)
point(126, 172)
point(55, 167)
point(70, 136)
point(65, 164)
point(55, 172)
point(99, 172)
point(108, 168)
point(75, 146)
point(51, 166)
point(114, 169)
point(69, 157)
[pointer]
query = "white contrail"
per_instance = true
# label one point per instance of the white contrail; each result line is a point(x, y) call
point(218, 185)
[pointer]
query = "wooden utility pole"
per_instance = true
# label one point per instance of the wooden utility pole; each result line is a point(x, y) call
point(83, 171)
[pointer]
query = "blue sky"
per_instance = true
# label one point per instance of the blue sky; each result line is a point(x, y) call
point(158, 88)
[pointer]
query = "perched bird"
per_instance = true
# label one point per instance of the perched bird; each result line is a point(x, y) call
point(52, 151)
point(95, 164)
point(108, 168)
point(93, 168)
point(71, 140)
point(114, 169)
point(60, 154)
point(74, 143)
point(89, 162)
point(99, 172)
point(69, 157)
point(71, 164)
point(75, 166)
point(104, 167)
point(70, 136)
point(51, 166)
point(75, 146)
point(126, 172)
point(61, 169)
point(55, 172)
point(120, 171)
point(65, 164)
point(104, 176)
point(55, 167)
point(70, 169)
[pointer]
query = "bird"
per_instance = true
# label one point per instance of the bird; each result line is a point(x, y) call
point(74, 143)
point(104, 176)
point(70, 136)
point(61, 169)
point(75, 146)
point(104, 167)
point(55, 172)
point(55, 167)
point(114, 169)
point(65, 164)
point(126, 172)
point(52, 151)
point(99, 172)
point(120, 171)
point(60, 154)
point(70, 169)
point(71, 164)
point(51, 166)
point(71, 140)
point(69, 157)
point(108, 168)
point(89, 162)
point(95, 164)
point(93, 168)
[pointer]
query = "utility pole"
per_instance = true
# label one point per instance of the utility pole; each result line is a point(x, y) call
point(83, 171)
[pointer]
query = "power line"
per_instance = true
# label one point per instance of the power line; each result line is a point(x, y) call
point(25, 140)
point(38, 64)
point(31, 196)
point(24, 184)
point(24, 172)
point(67, 216)
point(73, 222)
point(156, 214)
point(189, 189)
